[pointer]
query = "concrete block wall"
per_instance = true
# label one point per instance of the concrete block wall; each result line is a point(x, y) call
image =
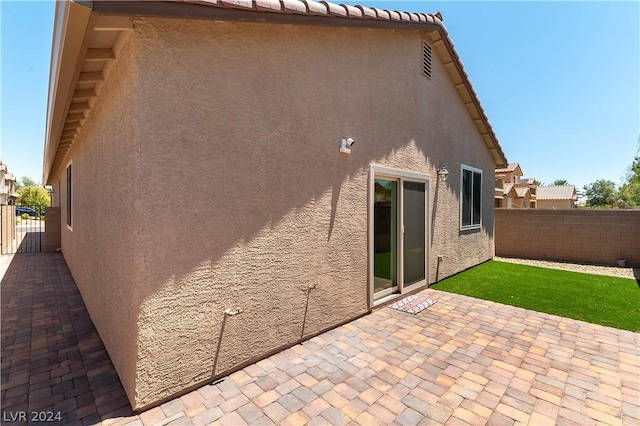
point(587, 236)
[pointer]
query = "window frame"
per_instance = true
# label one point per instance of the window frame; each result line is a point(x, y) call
point(383, 172)
point(474, 170)
point(69, 200)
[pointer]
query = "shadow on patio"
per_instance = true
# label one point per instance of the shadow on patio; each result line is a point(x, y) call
point(52, 357)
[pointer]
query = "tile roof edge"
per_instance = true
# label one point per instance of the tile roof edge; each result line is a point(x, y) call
point(303, 12)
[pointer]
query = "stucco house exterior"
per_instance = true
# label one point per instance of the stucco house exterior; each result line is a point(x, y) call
point(8, 194)
point(213, 206)
point(558, 197)
point(514, 191)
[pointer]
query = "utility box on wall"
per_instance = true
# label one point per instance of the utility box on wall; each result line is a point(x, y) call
point(52, 229)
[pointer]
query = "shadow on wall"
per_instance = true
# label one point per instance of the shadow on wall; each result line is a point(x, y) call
point(255, 203)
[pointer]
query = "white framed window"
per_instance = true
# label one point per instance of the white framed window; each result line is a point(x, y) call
point(69, 196)
point(471, 197)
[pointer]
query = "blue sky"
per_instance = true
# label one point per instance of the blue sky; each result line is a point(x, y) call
point(559, 81)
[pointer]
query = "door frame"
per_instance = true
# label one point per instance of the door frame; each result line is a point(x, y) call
point(383, 172)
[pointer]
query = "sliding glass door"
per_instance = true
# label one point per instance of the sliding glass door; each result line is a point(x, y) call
point(398, 231)
point(414, 219)
point(385, 237)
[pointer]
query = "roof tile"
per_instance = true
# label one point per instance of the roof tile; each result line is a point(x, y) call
point(243, 4)
point(556, 192)
point(269, 5)
point(382, 14)
point(316, 8)
point(510, 168)
point(507, 188)
point(334, 9)
point(205, 2)
point(353, 11)
point(522, 191)
point(294, 6)
point(367, 12)
point(414, 17)
point(429, 23)
point(395, 16)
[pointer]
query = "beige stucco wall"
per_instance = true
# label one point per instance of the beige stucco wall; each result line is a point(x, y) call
point(101, 247)
point(209, 178)
point(245, 122)
point(555, 204)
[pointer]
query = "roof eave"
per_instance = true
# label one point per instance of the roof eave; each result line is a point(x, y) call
point(192, 10)
point(67, 42)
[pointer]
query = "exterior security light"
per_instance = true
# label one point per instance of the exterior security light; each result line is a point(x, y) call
point(443, 172)
point(345, 145)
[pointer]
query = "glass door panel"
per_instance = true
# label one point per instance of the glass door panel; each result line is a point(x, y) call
point(385, 238)
point(414, 221)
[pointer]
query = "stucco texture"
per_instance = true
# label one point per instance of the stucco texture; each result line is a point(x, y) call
point(237, 196)
point(100, 247)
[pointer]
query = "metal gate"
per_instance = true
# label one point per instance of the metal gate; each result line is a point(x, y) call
point(21, 229)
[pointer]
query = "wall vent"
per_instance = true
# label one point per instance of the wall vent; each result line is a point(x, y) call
point(426, 59)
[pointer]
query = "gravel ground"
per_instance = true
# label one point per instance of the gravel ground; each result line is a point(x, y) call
point(612, 271)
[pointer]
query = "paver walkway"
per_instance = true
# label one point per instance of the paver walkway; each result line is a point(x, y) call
point(461, 361)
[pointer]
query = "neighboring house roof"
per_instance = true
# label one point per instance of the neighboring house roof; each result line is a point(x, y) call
point(523, 192)
point(528, 181)
point(556, 192)
point(509, 189)
point(72, 95)
point(512, 167)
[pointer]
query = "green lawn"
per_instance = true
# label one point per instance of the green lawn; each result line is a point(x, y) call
point(614, 302)
point(382, 265)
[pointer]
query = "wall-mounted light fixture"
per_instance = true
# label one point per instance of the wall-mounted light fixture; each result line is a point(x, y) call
point(230, 312)
point(443, 172)
point(345, 145)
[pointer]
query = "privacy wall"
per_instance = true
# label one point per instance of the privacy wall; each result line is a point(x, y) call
point(590, 236)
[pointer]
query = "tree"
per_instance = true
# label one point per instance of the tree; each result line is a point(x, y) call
point(602, 193)
point(630, 194)
point(34, 196)
point(24, 182)
point(560, 182)
point(630, 190)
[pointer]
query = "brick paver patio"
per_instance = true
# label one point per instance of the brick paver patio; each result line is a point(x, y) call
point(462, 361)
